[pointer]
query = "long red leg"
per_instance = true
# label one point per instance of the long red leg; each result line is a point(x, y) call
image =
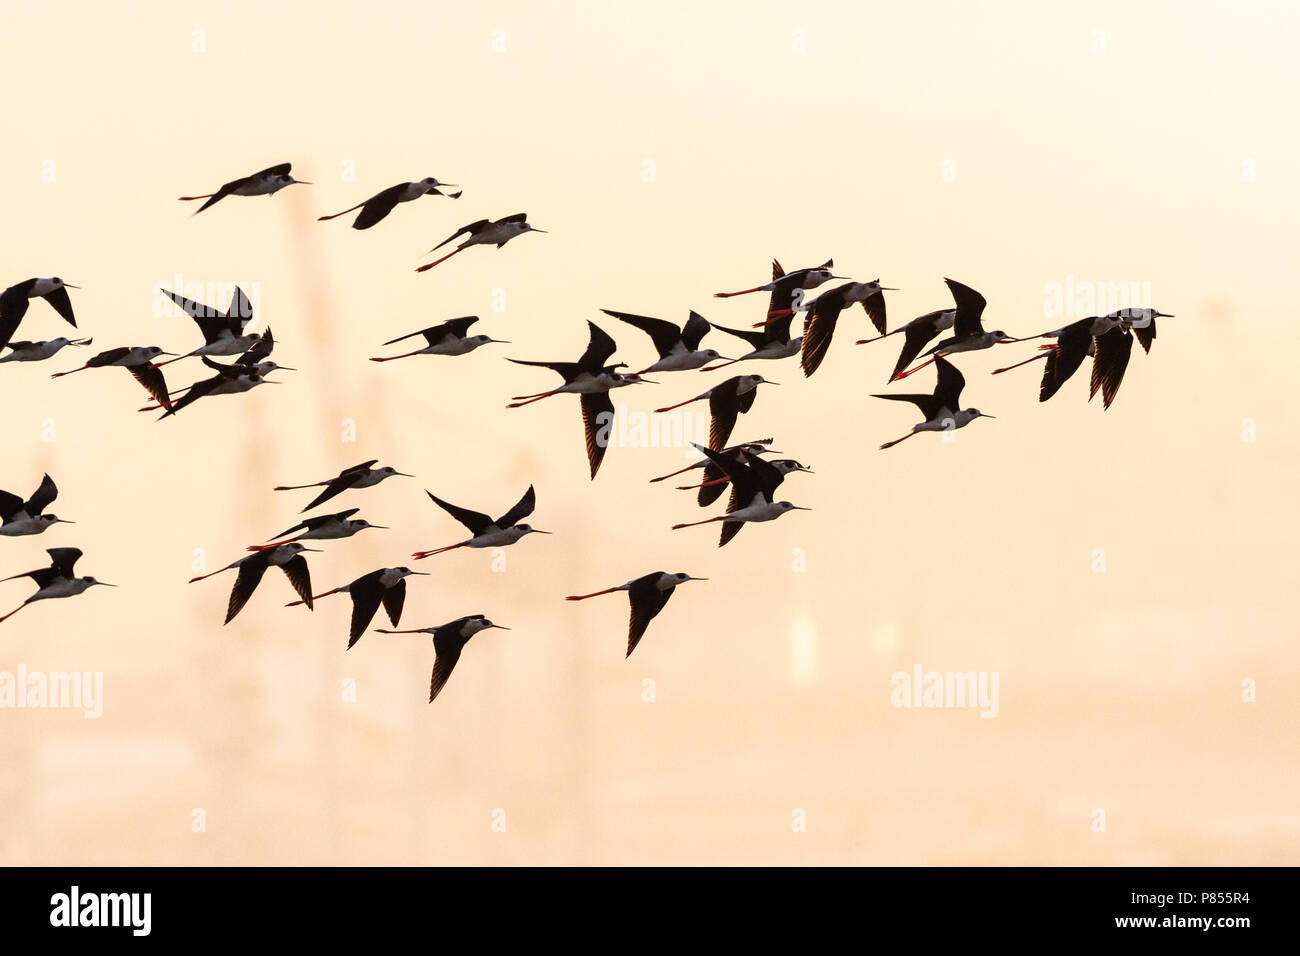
point(419, 555)
point(714, 368)
point(728, 295)
point(429, 265)
point(69, 372)
point(902, 375)
point(583, 597)
point(14, 611)
point(314, 484)
point(891, 444)
point(669, 408)
point(1040, 355)
point(392, 358)
point(879, 337)
point(337, 214)
point(704, 484)
point(211, 573)
point(692, 524)
point(315, 597)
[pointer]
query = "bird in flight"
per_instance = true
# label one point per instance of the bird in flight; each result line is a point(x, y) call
point(287, 557)
point(386, 586)
point(484, 531)
point(18, 517)
point(15, 299)
point(364, 475)
point(647, 596)
point(56, 581)
point(377, 207)
point(484, 232)
point(266, 182)
point(448, 641)
point(942, 409)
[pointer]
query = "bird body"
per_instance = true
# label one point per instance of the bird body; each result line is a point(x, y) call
point(727, 400)
point(679, 349)
point(377, 207)
point(942, 409)
point(448, 641)
point(323, 528)
point(364, 475)
point(287, 557)
point(39, 351)
point(19, 517)
point(484, 232)
point(754, 481)
point(385, 586)
point(56, 581)
point(15, 299)
point(486, 532)
point(446, 338)
point(787, 282)
point(265, 182)
point(647, 596)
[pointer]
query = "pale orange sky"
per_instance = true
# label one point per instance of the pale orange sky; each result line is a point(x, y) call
point(1112, 142)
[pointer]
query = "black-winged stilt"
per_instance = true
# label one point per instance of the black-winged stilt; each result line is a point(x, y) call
point(55, 581)
point(484, 531)
point(647, 595)
point(730, 398)
point(753, 485)
point(18, 517)
point(942, 409)
point(679, 349)
point(266, 182)
point(446, 338)
point(287, 557)
point(14, 301)
point(363, 475)
point(448, 641)
point(386, 586)
point(378, 206)
point(484, 232)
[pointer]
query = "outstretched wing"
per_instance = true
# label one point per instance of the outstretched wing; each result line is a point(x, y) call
point(970, 307)
point(818, 330)
point(447, 654)
point(42, 496)
point(645, 605)
point(599, 349)
point(366, 593)
point(295, 569)
point(394, 598)
point(64, 560)
point(947, 391)
point(153, 381)
point(471, 228)
point(756, 339)
point(250, 575)
point(62, 304)
point(522, 509)
point(1108, 364)
point(663, 333)
point(928, 404)
point(874, 306)
point(914, 339)
point(475, 521)
point(597, 422)
point(10, 505)
point(378, 206)
point(13, 306)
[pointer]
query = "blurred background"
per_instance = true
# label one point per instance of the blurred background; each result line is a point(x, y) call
point(1122, 571)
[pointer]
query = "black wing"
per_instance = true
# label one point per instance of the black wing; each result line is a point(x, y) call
point(696, 327)
point(471, 228)
point(522, 509)
point(1064, 360)
point(756, 339)
point(153, 381)
point(196, 391)
point(599, 349)
point(1146, 334)
point(874, 306)
point(10, 505)
point(394, 598)
point(711, 493)
point(62, 304)
point(729, 530)
point(566, 370)
point(336, 487)
point(818, 330)
point(240, 312)
point(664, 334)
point(281, 169)
point(378, 206)
point(597, 421)
point(517, 217)
point(447, 645)
point(13, 306)
point(210, 320)
point(947, 390)
point(645, 605)
point(1112, 354)
point(475, 521)
point(367, 593)
point(250, 575)
point(928, 404)
point(914, 339)
point(42, 496)
point(970, 306)
point(295, 569)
